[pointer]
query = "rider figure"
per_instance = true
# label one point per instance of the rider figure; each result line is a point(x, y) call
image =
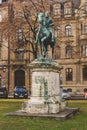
point(44, 32)
point(41, 24)
point(41, 19)
point(49, 23)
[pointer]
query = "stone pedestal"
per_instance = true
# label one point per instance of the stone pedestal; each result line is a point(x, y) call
point(45, 88)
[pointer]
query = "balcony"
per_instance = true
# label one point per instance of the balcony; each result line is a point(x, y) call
point(18, 62)
point(83, 36)
point(68, 38)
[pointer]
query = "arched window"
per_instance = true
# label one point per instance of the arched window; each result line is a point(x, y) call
point(57, 52)
point(69, 74)
point(68, 30)
point(85, 28)
point(68, 51)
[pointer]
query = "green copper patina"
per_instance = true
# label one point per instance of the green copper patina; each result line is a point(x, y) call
point(44, 34)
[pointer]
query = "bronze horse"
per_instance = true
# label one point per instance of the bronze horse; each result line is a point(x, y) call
point(44, 36)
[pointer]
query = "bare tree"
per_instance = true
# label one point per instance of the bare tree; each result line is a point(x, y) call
point(21, 24)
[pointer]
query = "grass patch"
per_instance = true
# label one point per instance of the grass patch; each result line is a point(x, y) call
point(78, 122)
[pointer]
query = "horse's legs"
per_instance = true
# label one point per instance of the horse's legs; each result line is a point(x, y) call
point(44, 38)
point(52, 51)
point(43, 46)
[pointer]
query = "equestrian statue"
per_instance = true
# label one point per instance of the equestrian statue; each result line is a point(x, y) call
point(44, 35)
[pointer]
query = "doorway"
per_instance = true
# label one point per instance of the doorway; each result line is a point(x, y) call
point(19, 78)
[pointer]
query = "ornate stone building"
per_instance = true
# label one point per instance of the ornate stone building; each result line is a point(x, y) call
point(70, 50)
point(70, 18)
point(14, 56)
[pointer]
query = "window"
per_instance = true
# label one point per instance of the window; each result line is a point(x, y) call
point(57, 31)
point(85, 28)
point(4, 0)
point(56, 10)
point(81, 28)
point(20, 36)
point(0, 43)
point(68, 51)
point(86, 6)
point(19, 55)
point(57, 52)
point(0, 17)
point(0, 51)
point(85, 73)
point(69, 74)
point(20, 14)
point(68, 30)
point(0, 37)
point(67, 10)
point(84, 50)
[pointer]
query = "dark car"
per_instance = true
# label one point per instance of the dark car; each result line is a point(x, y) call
point(20, 92)
point(3, 92)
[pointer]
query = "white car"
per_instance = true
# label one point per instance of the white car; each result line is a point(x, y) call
point(66, 95)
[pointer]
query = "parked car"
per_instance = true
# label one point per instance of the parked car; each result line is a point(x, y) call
point(85, 93)
point(20, 92)
point(65, 94)
point(3, 92)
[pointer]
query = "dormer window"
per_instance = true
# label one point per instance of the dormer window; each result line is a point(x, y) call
point(56, 10)
point(67, 10)
point(85, 6)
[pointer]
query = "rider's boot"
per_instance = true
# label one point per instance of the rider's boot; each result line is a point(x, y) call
point(53, 40)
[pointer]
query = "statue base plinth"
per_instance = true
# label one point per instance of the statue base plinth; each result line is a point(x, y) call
point(40, 106)
point(45, 89)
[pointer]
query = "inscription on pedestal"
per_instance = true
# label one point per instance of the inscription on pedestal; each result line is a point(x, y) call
point(39, 79)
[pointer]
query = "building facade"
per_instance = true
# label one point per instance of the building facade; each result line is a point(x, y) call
point(14, 56)
point(70, 49)
point(70, 29)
